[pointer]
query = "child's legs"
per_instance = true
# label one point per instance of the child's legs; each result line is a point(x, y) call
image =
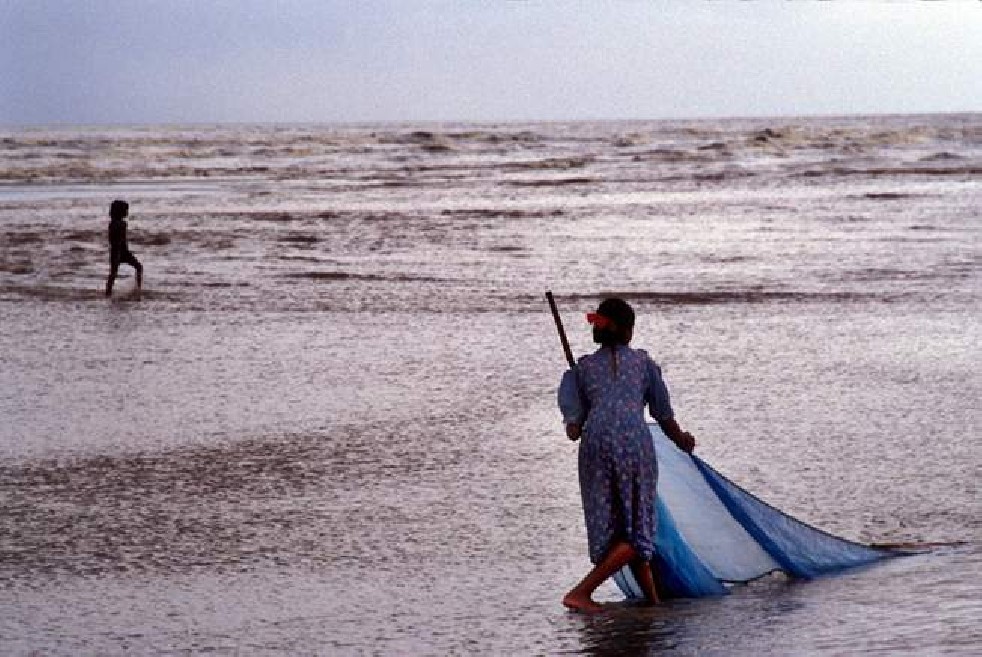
point(131, 260)
point(113, 271)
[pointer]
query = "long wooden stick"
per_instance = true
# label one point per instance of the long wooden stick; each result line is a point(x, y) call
point(559, 327)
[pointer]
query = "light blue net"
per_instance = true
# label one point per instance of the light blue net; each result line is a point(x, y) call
point(712, 532)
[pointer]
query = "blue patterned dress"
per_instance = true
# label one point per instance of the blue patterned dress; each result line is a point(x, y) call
point(618, 472)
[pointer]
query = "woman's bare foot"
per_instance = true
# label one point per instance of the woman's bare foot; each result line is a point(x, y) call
point(581, 603)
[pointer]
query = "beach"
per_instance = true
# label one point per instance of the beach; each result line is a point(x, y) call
point(328, 423)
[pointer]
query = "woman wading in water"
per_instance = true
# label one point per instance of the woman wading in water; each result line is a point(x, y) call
point(603, 401)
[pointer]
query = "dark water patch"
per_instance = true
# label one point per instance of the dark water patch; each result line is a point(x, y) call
point(401, 183)
point(916, 239)
point(456, 170)
point(226, 507)
point(17, 206)
point(717, 146)
point(216, 242)
point(277, 217)
point(767, 135)
point(887, 196)
point(274, 217)
point(299, 239)
point(52, 293)
point(943, 156)
point(301, 258)
point(424, 139)
point(459, 171)
point(383, 216)
point(329, 276)
point(477, 136)
point(20, 268)
point(890, 171)
point(495, 137)
point(724, 260)
point(555, 182)
point(489, 213)
point(732, 297)
point(437, 147)
point(344, 276)
point(137, 237)
point(311, 217)
point(85, 236)
point(560, 163)
point(722, 176)
point(77, 294)
point(869, 274)
point(83, 171)
point(629, 141)
point(23, 239)
point(673, 178)
point(151, 239)
point(676, 155)
point(138, 514)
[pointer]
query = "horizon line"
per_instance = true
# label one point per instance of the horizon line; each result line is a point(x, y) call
point(514, 121)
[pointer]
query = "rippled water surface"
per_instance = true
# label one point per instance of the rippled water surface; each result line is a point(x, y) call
point(327, 425)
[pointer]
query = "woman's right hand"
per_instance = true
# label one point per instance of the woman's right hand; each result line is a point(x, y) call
point(686, 442)
point(682, 439)
point(573, 431)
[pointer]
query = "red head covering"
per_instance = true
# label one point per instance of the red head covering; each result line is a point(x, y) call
point(598, 320)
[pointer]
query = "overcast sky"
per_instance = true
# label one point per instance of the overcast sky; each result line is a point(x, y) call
point(150, 61)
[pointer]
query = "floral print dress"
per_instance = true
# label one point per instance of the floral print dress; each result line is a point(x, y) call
point(617, 467)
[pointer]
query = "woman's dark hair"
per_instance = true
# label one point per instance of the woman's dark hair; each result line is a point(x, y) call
point(119, 209)
point(621, 315)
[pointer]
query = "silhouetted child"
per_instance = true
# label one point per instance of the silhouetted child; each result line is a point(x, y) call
point(119, 250)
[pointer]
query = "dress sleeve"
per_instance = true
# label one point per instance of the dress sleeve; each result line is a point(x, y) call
point(570, 400)
point(659, 403)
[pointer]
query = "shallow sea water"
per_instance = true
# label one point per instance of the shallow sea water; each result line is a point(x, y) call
point(328, 425)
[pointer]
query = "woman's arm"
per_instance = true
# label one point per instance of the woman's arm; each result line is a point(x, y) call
point(685, 441)
point(571, 404)
point(660, 407)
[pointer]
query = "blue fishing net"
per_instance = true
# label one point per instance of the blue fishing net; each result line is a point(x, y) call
point(711, 532)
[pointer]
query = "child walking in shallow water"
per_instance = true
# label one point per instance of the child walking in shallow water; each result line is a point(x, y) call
point(119, 250)
point(603, 402)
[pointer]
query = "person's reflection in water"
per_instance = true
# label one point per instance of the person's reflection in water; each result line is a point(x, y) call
point(752, 621)
point(628, 630)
